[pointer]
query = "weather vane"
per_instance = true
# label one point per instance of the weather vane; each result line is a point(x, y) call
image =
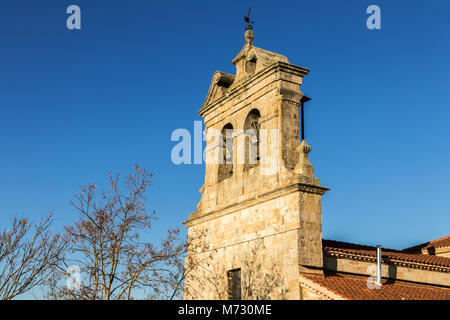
point(247, 19)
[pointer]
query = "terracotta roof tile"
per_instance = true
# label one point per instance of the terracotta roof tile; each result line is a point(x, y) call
point(356, 251)
point(437, 243)
point(355, 288)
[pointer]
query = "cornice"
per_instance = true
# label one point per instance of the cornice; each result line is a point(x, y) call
point(386, 260)
point(196, 218)
point(237, 89)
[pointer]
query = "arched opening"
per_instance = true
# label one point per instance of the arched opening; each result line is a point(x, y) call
point(226, 163)
point(250, 65)
point(252, 138)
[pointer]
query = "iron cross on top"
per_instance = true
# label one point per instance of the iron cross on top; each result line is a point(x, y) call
point(247, 19)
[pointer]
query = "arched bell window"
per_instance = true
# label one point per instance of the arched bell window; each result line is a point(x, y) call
point(226, 163)
point(250, 64)
point(252, 139)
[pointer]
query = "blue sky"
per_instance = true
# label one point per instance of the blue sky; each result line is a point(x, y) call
point(76, 105)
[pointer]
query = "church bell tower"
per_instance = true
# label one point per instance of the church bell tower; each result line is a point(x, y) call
point(260, 210)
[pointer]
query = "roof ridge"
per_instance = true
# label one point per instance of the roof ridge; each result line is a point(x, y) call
point(441, 238)
point(429, 244)
point(361, 245)
point(418, 260)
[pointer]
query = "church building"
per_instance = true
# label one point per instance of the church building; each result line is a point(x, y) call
point(260, 216)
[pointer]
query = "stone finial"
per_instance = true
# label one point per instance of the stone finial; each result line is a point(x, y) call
point(249, 38)
point(304, 166)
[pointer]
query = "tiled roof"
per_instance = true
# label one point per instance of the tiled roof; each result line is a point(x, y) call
point(390, 256)
point(355, 288)
point(437, 243)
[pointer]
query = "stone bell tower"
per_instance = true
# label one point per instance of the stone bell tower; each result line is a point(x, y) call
point(260, 209)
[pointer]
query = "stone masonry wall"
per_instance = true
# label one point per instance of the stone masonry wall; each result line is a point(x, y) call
point(268, 229)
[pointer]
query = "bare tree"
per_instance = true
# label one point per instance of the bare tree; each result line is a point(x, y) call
point(259, 283)
point(261, 280)
point(28, 254)
point(198, 259)
point(107, 245)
